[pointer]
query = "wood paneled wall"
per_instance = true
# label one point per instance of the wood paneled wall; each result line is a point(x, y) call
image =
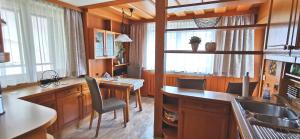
point(213, 83)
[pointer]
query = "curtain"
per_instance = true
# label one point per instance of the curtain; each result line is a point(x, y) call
point(179, 40)
point(138, 33)
point(75, 43)
point(35, 38)
point(235, 40)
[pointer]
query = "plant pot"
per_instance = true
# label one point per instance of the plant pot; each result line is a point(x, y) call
point(210, 46)
point(195, 47)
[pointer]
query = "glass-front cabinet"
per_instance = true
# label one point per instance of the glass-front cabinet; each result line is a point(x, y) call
point(99, 43)
point(110, 43)
point(103, 44)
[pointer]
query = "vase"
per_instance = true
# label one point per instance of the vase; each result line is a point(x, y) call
point(210, 46)
point(195, 47)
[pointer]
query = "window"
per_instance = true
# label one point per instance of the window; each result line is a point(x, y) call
point(35, 40)
point(179, 40)
point(13, 44)
point(42, 51)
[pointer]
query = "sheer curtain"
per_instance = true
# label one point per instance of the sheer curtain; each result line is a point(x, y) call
point(34, 37)
point(235, 40)
point(75, 42)
point(179, 40)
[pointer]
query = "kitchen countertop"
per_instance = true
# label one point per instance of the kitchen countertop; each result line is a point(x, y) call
point(21, 116)
point(246, 130)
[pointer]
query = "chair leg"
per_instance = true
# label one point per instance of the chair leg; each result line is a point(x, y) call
point(115, 114)
point(124, 116)
point(98, 125)
point(92, 118)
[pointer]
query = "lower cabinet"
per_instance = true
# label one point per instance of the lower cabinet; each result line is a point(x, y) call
point(71, 103)
point(86, 101)
point(49, 101)
point(203, 120)
point(69, 106)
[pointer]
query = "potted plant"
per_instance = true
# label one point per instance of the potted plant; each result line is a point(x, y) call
point(195, 41)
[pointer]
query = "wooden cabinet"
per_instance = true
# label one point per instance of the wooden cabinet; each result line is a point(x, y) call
point(283, 31)
point(203, 120)
point(69, 105)
point(86, 101)
point(49, 101)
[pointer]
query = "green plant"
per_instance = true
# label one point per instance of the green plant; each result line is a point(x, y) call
point(195, 39)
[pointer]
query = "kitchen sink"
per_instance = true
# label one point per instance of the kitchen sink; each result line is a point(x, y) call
point(268, 109)
point(270, 115)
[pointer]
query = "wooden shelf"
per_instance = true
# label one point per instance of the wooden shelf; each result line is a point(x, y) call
point(222, 27)
point(171, 107)
point(174, 124)
point(119, 65)
point(170, 133)
point(216, 52)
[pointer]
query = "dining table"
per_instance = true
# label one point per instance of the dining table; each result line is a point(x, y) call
point(125, 86)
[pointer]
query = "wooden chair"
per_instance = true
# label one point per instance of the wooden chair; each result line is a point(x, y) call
point(102, 106)
point(237, 88)
point(189, 83)
point(138, 75)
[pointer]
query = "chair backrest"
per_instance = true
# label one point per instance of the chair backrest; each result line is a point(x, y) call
point(189, 83)
point(135, 71)
point(97, 102)
point(237, 88)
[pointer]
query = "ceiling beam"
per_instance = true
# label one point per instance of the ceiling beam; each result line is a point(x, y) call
point(110, 3)
point(65, 5)
point(211, 5)
point(206, 15)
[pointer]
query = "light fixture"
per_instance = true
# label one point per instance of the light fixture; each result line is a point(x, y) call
point(124, 37)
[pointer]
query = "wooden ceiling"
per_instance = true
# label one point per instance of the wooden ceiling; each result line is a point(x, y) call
point(144, 10)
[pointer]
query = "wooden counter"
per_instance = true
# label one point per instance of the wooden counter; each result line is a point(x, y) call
point(23, 119)
point(203, 114)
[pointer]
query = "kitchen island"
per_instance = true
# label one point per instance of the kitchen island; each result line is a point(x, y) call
point(206, 114)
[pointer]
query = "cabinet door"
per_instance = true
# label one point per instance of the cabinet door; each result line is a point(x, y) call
point(69, 106)
point(99, 43)
point(295, 32)
point(278, 32)
point(110, 44)
point(86, 101)
point(203, 120)
point(203, 125)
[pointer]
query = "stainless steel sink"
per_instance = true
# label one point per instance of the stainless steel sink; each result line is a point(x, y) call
point(281, 122)
point(268, 109)
point(270, 115)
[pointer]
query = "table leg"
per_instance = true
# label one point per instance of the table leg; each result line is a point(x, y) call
point(139, 99)
point(127, 104)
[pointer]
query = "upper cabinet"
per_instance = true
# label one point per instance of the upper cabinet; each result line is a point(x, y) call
point(102, 43)
point(283, 33)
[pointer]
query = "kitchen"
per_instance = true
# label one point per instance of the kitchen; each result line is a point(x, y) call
point(173, 69)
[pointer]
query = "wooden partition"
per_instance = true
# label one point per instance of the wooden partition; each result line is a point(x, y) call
point(213, 83)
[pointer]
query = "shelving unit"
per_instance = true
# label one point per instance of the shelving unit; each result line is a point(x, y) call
point(169, 103)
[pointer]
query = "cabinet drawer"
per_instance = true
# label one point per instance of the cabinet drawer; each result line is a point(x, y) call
point(206, 106)
point(42, 99)
point(69, 91)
